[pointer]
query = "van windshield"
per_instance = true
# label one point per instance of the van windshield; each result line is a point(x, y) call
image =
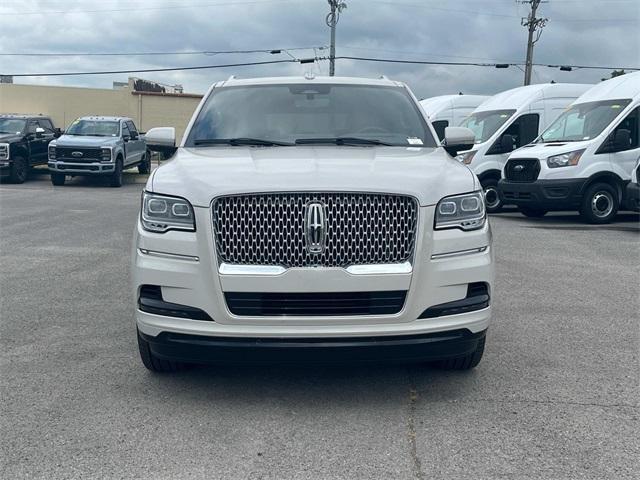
point(485, 124)
point(310, 114)
point(583, 121)
point(93, 128)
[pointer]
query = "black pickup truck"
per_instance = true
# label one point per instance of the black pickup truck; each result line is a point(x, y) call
point(24, 142)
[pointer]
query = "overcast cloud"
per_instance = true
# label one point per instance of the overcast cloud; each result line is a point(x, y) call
point(582, 32)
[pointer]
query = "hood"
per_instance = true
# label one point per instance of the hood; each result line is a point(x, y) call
point(78, 141)
point(200, 174)
point(9, 137)
point(544, 150)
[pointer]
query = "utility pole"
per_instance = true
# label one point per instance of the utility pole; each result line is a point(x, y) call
point(534, 25)
point(332, 20)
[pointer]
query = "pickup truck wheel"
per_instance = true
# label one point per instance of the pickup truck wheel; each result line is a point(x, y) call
point(533, 212)
point(19, 170)
point(599, 203)
point(145, 164)
point(155, 364)
point(492, 200)
point(116, 176)
point(58, 178)
point(466, 362)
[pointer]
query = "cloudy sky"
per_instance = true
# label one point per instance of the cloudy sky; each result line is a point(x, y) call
point(579, 32)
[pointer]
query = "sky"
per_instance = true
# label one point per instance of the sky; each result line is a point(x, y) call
point(578, 32)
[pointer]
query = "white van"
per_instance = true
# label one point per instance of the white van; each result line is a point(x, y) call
point(508, 121)
point(450, 110)
point(585, 159)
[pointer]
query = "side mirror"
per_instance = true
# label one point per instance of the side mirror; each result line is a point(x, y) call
point(57, 132)
point(161, 139)
point(39, 132)
point(507, 143)
point(621, 140)
point(457, 139)
point(126, 138)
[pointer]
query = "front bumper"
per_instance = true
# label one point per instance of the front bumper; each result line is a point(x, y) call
point(5, 168)
point(206, 349)
point(184, 265)
point(564, 194)
point(86, 168)
point(632, 196)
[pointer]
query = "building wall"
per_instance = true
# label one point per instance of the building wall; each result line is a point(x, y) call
point(65, 104)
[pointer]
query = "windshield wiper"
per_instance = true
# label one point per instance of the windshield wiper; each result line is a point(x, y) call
point(240, 142)
point(342, 141)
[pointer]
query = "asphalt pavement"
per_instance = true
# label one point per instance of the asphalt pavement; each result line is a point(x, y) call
point(555, 397)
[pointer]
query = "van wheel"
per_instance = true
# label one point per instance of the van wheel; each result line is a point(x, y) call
point(466, 362)
point(58, 178)
point(599, 203)
point(144, 166)
point(492, 200)
point(154, 363)
point(19, 170)
point(116, 177)
point(533, 212)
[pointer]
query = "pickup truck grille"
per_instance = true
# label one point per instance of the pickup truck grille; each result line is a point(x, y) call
point(522, 170)
point(271, 229)
point(88, 154)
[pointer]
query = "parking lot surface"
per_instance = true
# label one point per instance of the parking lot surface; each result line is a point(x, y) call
point(555, 397)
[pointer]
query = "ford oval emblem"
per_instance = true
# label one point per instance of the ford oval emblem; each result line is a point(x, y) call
point(76, 154)
point(518, 168)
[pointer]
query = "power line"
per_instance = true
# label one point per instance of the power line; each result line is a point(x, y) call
point(141, 54)
point(316, 59)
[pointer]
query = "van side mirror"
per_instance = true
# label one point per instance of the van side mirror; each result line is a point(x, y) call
point(39, 132)
point(507, 143)
point(161, 139)
point(457, 139)
point(621, 140)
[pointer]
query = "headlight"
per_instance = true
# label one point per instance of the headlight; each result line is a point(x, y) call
point(466, 157)
point(161, 213)
point(461, 211)
point(52, 153)
point(565, 160)
point(106, 154)
point(4, 151)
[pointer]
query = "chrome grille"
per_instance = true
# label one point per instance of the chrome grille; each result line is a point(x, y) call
point(88, 154)
point(269, 229)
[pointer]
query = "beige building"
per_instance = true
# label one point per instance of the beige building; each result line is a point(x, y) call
point(65, 104)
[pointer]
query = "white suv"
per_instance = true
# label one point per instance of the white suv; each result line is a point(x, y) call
point(311, 219)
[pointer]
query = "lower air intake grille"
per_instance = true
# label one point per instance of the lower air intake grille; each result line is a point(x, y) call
point(315, 304)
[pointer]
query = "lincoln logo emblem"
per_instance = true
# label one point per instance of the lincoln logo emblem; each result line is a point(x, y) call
point(316, 227)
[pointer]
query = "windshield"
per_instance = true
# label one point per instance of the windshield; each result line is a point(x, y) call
point(267, 115)
point(12, 125)
point(485, 124)
point(583, 121)
point(94, 128)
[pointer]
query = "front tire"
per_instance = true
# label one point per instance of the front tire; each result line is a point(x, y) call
point(145, 164)
point(58, 179)
point(600, 203)
point(116, 176)
point(466, 362)
point(19, 170)
point(492, 200)
point(153, 363)
point(533, 212)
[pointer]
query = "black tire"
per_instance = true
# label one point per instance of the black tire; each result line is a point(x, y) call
point(492, 198)
point(144, 166)
point(116, 177)
point(600, 203)
point(58, 178)
point(466, 362)
point(19, 170)
point(533, 212)
point(153, 363)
